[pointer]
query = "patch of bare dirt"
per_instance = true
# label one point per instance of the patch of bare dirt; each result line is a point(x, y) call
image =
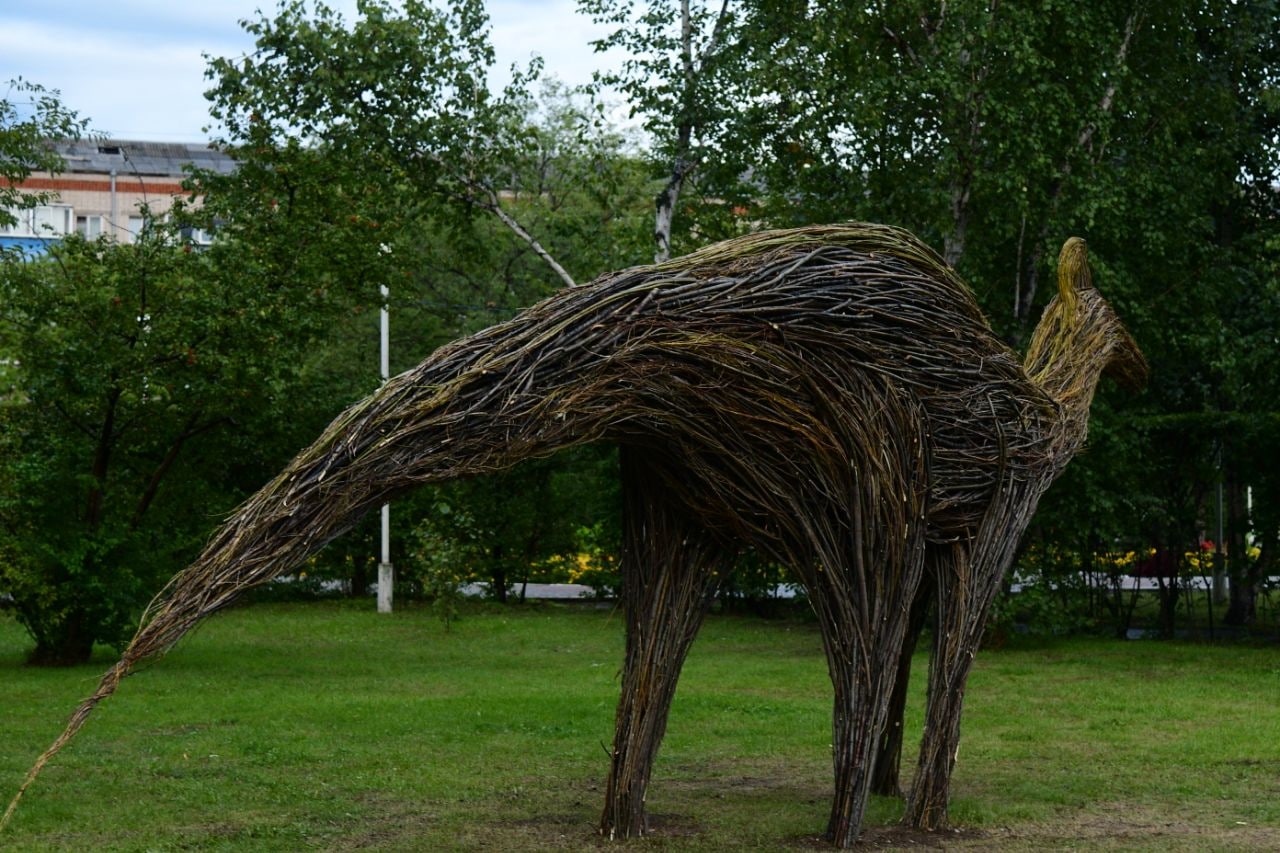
point(1124, 826)
point(897, 838)
point(549, 832)
point(799, 779)
point(573, 831)
point(394, 821)
point(1120, 826)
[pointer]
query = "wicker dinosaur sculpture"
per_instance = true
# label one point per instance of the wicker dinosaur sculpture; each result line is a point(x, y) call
point(831, 396)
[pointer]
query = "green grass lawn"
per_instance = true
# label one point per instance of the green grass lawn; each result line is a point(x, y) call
point(327, 726)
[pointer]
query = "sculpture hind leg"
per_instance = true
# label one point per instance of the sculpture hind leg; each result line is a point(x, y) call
point(948, 674)
point(671, 569)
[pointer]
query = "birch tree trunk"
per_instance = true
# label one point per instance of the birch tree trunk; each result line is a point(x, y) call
point(1028, 280)
point(670, 195)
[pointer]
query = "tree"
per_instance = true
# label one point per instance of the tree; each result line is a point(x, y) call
point(942, 117)
point(401, 94)
point(151, 378)
point(453, 182)
point(676, 78)
point(995, 130)
point(503, 525)
point(584, 193)
point(24, 148)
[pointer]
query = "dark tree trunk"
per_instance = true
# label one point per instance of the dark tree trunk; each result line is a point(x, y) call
point(665, 204)
point(360, 578)
point(498, 576)
point(101, 462)
point(670, 572)
point(73, 645)
point(70, 642)
point(1242, 608)
point(1169, 590)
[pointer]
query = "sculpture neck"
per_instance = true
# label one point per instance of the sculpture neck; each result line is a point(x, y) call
point(1074, 343)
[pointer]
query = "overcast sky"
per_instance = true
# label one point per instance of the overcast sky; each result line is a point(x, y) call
point(135, 68)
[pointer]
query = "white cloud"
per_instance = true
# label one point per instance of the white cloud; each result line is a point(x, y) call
point(126, 87)
point(551, 30)
point(138, 71)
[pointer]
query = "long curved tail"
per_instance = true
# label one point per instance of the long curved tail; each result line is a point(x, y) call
point(467, 409)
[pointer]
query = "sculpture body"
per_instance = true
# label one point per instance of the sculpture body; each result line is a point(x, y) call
point(831, 396)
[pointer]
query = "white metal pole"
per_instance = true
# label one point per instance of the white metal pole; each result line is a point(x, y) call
point(385, 577)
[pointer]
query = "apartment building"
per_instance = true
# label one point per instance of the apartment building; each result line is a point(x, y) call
point(104, 187)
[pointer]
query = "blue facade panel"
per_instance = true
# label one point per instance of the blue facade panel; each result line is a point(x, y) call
point(33, 246)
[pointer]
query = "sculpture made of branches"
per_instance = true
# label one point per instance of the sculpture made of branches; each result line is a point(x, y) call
point(831, 396)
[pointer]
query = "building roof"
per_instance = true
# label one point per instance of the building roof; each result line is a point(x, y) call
point(136, 157)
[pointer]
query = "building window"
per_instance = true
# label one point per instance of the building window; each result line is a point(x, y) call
point(46, 220)
point(198, 236)
point(89, 227)
point(51, 220)
point(136, 224)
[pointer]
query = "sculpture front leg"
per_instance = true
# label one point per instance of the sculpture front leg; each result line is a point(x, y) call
point(863, 649)
point(867, 566)
point(967, 583)
point(886, 781)
point(861, 706)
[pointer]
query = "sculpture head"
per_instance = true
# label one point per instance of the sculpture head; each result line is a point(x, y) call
point(1125, 363)
point(1079, 338)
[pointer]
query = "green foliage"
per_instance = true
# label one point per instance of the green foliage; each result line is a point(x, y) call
point(756, 585)
point(399, 97)
point(407, 81)
point(373, 153)
point(404, 152)
point(578, 183)
point(995, 131)
point(151, 386)
point(450, 195)
point(412, 130)
point(684, 78)
point(599, 547)
point(1047, 603)
point(158, 385)
point(520, 525)
point(446, 548)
